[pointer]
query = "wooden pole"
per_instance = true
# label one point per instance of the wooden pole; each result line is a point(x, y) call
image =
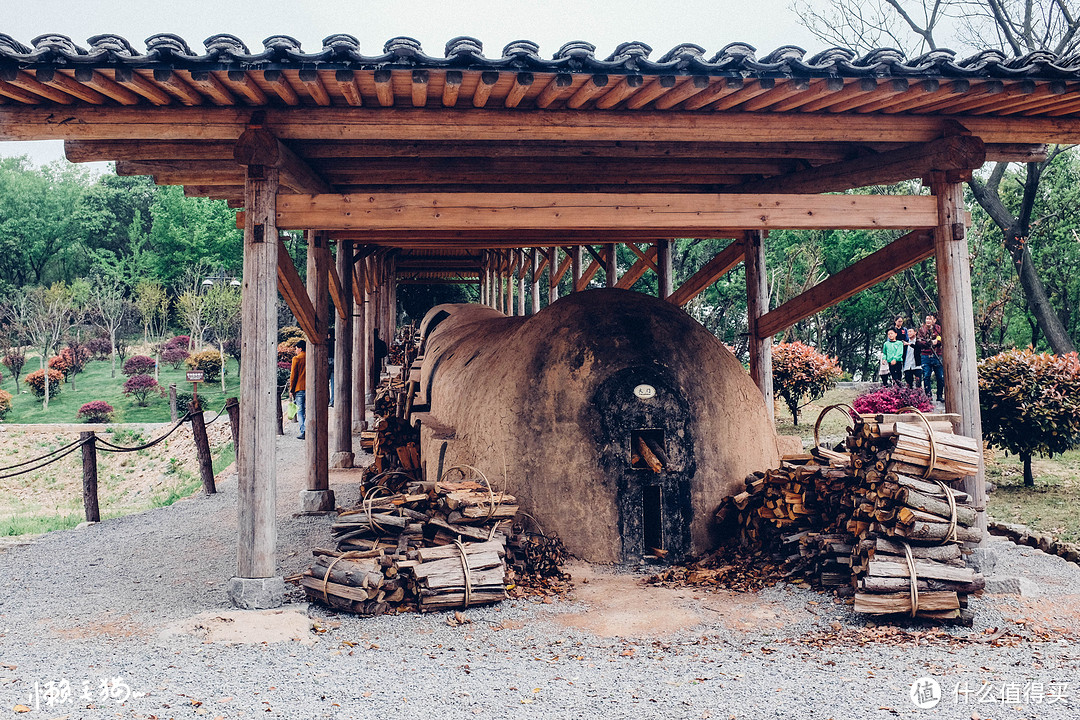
point(369, 328)
point(498, 282)
point(665, 285)
point(317, 388)
point(232, 406)
point(172, 402)
point(256, 458)
point(576, 266)
point(280, 415)
point(359, 369)
point(955, 315)
point(553, 269)
point(508, 270)
point(611, 268)
point(757, 304)
point(89, 469)
point(202, 447)
point(534, 260)
point(343, 358)
point(521, 282)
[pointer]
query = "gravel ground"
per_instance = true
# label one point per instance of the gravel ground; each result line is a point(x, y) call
point(106, 601)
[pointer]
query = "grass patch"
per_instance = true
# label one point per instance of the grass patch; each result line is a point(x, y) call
point(223, 457)
point(835, 423)
point(1048, 507)
point(37, 524)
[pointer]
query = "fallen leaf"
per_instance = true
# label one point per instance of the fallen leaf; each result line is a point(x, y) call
point(21, 709)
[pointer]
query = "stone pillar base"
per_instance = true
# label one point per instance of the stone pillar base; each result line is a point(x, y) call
point(316, 501)
point(256, 593)
point(341, 460)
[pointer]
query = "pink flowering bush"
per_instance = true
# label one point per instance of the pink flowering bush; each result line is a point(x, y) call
point(892, 399)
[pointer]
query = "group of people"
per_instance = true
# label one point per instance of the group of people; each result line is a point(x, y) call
point(913, 356)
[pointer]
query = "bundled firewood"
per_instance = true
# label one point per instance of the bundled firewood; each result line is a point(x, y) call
point(908, 520)
point(389, 397)
point(396, 447)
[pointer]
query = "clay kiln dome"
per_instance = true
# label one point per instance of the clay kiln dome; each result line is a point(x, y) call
point(562, 401)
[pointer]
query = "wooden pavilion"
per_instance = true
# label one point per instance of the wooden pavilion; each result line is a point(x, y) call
point(465, 168)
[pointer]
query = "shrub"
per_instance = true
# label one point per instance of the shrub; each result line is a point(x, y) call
point(100, 348)
point(290, 332)
point(13, 360)
point(5, 403)
point(209, 361)
point(800, 371)
point(1030, 403)
point(283, 370)
point(179, 341)
point(891, 399)
point(232, 348)
point(286, 351)
point(61, 364)
point(36, 381)
point(175, 356)
point(97, 411)
point(141, 387)
point(139, 365)
point(76, 355)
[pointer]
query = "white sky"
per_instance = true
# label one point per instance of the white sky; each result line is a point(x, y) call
point(765, 24)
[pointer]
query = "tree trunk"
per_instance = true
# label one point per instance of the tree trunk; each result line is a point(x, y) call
point(221, 352)
point(1038, 301)
point(1029, 479)
point(45, 372)
point(112, 354)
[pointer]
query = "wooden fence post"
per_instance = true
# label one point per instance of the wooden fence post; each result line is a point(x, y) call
point(232, 405)
point(172, 402)
point(202, 446)
point(89, 466)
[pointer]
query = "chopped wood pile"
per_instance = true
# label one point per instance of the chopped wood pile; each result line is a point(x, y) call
point(881, 521)
point(390, 397)
point(396, 447)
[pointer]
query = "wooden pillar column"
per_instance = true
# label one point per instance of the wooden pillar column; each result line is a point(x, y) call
point(484, 278)
point(957, 321)
point(664, 286)
point(611, 268)
point(576, 267)
point(498, 282)
point(508, 270)
point(343, 361)
point(757, 304)
point(257, 583)
point(521, 282)
point(553, 270)
point(359, 369)
point(318, 497)
point(534, 262)
point(370, 323)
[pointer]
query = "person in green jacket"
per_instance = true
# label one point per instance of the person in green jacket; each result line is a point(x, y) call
point(893, 350)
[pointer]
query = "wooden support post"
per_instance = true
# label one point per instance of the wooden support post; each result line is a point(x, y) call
point(232, 406)
point(343, 361)
point(955, 315)
point(256, 458)
point(521, 282)
point(611, 266)
point(498, 285)
point(664, 285)
point(757, 304)
point(371, 379)
point(172, 402)
point(576, 266)
point(534, 261)
point(202, 447)
point(318, 497)
point(359, 369)
point(280, 416)
point(553, 274)
point(508, 273)
point(89, 479)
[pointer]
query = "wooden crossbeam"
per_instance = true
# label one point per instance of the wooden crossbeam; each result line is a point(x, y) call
point(667, 214)
point(562, 267)
point(588, 275)
point(720, 265)
point(638, 269)
point(357, 287)
point(649, 264)
point(543, 263)
point(336, 291)
point(293, 290)
point(950, 153)
point(595, 254)
point(895, 257)
point(258, 146)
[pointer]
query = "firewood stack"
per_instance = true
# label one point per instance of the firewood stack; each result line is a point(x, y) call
point(389, 396)
point(396, 448)
point(433, 546)
point(908, 517)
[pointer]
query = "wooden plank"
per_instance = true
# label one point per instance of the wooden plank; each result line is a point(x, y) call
point(257, 146)
point(720, 265)
point(668, 214)
point(336, 291)
point(759, 345)
point(292, 289)
point(638, 269)
point(141, 86)
point(895, 257)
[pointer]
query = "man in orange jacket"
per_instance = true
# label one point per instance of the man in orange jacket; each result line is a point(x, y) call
point(298, 382)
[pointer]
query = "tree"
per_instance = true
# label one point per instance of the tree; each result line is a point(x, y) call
point(1030, 403)
point(223, 317)
point(191, 297)
point(799, 371)
point(110, 310)
point(152, 304)
point(47, 313)
point(1016, 28)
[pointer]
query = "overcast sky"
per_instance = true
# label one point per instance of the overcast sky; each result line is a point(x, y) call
point(765, 24)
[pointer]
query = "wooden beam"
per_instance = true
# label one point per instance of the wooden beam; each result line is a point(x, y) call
point(318, 496)
point(759, 344)
point(895, 257)
point(343, 359)
point(663, 269)
point(259, 147)
point(337, 291)
point(292, 289)
point(596, 255)
point(951, 153)
point(671, 215)
point(638, 269)
point(720, 265)
point(648, 259)
point(588, 275)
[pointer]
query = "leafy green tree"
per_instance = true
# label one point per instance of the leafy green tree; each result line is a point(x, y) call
point(799, 371)
point(187, 230)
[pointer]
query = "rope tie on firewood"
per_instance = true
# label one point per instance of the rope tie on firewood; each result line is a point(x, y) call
point(465, 568)
point(493, 503)
point(930, 438)
point(352, 554)
point(951, 537)
point(851, 413)
point(369, 499)
point(913, 580)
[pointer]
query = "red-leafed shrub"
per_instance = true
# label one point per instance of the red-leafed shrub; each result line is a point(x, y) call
point(892, 399)
point(283, 370)
point(175, 356)
point(5, 403)
point(13, 360)
point(286, 351)
point(209, 361)
point(141, 387)
point(97, 411)
point(61, 364)
point(36, 382)
point(139, 365)
point(77, 355)
point(179, 341)
point(1030, 403)
point(100, 348)
point(799, 371)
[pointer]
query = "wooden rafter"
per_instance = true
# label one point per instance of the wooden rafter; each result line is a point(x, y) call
point(257, 146)
point(293, 290)
point(720, 265)
point(336, 291)
point(636, 271)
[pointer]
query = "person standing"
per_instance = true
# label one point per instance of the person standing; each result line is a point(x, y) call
point(298, 382)
point(929, 336)
point(893, 350)
point(912, 360)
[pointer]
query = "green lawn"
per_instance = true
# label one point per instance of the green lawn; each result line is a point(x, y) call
point(96, 383)
point(1051, 506)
